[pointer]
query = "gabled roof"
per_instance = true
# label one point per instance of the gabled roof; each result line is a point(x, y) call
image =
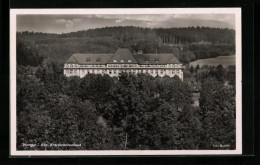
point(122, 54)
point(85, 59)
point(156, 59)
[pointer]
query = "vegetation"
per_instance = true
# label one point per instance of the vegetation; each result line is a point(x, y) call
point(188, 44)
point(138, 112)
point(131, 112)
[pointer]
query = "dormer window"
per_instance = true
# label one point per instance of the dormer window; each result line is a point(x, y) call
point(87, 59)
point(122, 60)
point(115, 61)
point(156, 60)
point(98, 59)
point(129, 60)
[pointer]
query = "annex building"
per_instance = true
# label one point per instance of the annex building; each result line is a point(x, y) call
point(123, 61)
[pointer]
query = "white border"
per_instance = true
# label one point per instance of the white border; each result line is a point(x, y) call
point(236, 11)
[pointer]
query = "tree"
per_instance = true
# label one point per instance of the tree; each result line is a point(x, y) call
point(27, 55)
point(217, 105)
point(95, 87)
point(191, 69)
point(218, 72)
point(231, 75)
point(51, 74)
point(187, 56)
point(197, 68)
point(48, 117)
point(189, 128)
point(173, 89)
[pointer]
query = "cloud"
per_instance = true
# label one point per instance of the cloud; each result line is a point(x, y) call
point(70, 23)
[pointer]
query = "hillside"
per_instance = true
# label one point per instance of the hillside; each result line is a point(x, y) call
point(188, 44)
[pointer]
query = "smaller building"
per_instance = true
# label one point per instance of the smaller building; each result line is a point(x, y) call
point(123, 61)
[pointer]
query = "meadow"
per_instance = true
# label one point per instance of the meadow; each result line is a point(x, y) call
point(225, 61)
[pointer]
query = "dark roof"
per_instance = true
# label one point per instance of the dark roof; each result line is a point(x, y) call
point(156, 59)
point(123, 54)
point(85, 59)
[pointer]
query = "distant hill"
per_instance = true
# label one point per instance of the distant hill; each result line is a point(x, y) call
point(108, 39)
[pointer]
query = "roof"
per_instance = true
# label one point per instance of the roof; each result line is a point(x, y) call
point(85, 59)
point(123, 56)
point(156, 59)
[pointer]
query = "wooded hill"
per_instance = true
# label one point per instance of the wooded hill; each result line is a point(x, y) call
point(188, 44)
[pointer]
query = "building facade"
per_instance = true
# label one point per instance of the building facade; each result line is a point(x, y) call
point(123, 61)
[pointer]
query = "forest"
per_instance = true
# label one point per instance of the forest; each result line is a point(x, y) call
point(131, 112)
point(187, 44)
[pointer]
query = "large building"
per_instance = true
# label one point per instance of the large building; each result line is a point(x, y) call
point(123, 61)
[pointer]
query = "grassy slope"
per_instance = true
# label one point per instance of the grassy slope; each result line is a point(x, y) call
point(223, 60)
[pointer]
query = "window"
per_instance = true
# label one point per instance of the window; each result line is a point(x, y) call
point(129, 60)
point(115, 61)
point(156, 60)
point(87, 59)
point(98, 59)
point(122, 60)
point(161, 71)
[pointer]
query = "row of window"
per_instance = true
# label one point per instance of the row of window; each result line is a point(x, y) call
point(92, 66)
point(99, 59)
point(71, 65)
point(120, 65)
point(122, 60)
point(72, 71)
point(141, 71)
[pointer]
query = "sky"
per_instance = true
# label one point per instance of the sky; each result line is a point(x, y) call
point(71, 23)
